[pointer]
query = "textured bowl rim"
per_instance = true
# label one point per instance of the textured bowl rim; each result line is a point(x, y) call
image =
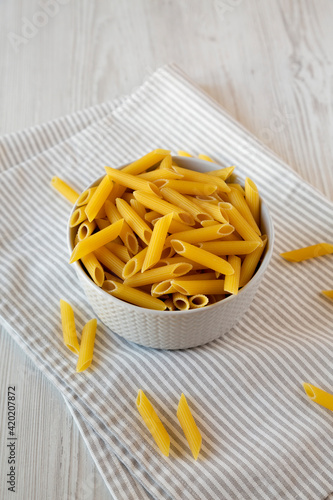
point(263, 266)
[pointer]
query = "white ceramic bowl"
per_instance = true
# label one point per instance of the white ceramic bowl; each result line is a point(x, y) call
point(175, 329)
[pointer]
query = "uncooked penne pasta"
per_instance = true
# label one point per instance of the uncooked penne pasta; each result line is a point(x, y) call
point(192, 175)
point(69, 193)
point(163, 207)
point(87, 345)
point(162, 288)
point(308, 252)
point(110, 261)
point(198, 300)
point(78, 216)
point(126, 234)
point(160, 173)
point(85, 197)
point(117, 192)
point(240, 224)
point(223, 173)
point(252, 199)
point(231, 283)
point(68, 327)
point(169, 304)
point(237, 200)
point(194, 287)
point(202, 257)
point(96, 241)
point(138, 207)
point(139, 226)
point(214, 210)
point(230, 247)
point(166, 163)
point(118, 250)
point(153, 423)
point(132, 295)
point(185, 203)
point(184, 153)
point(328, 293)
point(158, 274)
point(94, 268)
point(146, 161)
point(319, 396)
point(131, 181)
point(156, 242)
point(134, 265)
point(86, 229)
point(180, 301)
point(189, 427)
point(250, 263)
point(102, 223)
point(201, 234)
point(187, 187)
point(97, 200)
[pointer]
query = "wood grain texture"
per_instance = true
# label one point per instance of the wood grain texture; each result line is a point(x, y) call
point(268, 62)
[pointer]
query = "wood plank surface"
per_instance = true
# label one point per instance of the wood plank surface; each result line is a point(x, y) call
point(268, 62)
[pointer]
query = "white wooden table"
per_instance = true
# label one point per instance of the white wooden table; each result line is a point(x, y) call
point(268, 62)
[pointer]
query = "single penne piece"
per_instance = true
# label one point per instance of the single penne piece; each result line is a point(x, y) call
point(162, 288)
point(201, 234)
point(153, 423)
point(184, 153)
point(222, 173)
point(202, 257)
point(151, 215)
point(328, 293)
point(78, 216)
point(67, 192)
point(169, 304)
point(178, 259)
point(118, 250)
point(146, 161)
point(87, 345)
point(319, 396)
point(198, 276)
point(160, 173)
point(230, 247)
point(308, 252)
point(96, 241)
point(213, 209)
point(189, 427)
point(180, 301)
point(86, 229)
point(206, 158)
point(193, 287)
point(156, 242)
point(250, 263)
point(176, 227)
point(97, 200)
point(139, 226)
point(236, 186)
point(133, 296)
point(184, 203)
point(101, 213)
point(166, 163)
point(186, 187)
point(117, 192)
point(85, 197)
point(240, 224)
point(110, 261)
point(192, 175)
point(198, 300)
point(102, 223)
point(128, 196)
point(138, 207)
point(94, 268)
point(208, 223)
point(126, 234)
point(134, 265)
point(231, 283)
point(68, 327)
point(158, 274)
point(252, 199)
point(167, 252)
point(237, 200)
point(163, 207)
point(131, 181)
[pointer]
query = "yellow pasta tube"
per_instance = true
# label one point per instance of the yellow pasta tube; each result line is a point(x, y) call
point(162, 288)
point(238, 187)
point(117, 192)
point(180, 301)
point(240, 224)
point(96, 241)
point(250, 263)
point(97, 200)
point(231, 283)
point(183, 202)
point(308, 252)
point(118, 250)
point(202, 257)
point(138, 207)
point(194, 287)
point(110, 261)
point(94, 268)
point(134, 296)
point(153, 423)
point(198, 300)
point(86, 229)
point(160, 173)
point(206, 158)
point(187, 187)
point(131, 181)
point(192, 175)
point(328, 293)
point(78, 216)
point(68, 326)
point(169, 304)
point(201, 234)
point(163, 207)
point(102, 223)
point(237, 200)
point(156, 243)
point(184, 153)
point(126, 234)
point(139, 226)
point(166, 163)
point(230, 247)
point(151, 216)
point(189, 427)
point(252, 199)
point(69, 193)
point(134, 265)
point(223, 173)
point(319, 396)
point(146, 161)
point(214, 210)
point(179, 259)
point(158, 274)
point(85, 197)
point(87, 345)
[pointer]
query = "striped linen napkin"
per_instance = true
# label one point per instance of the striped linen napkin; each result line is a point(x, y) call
point(262, 437)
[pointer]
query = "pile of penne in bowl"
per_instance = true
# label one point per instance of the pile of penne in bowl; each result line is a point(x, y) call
point(159, 234)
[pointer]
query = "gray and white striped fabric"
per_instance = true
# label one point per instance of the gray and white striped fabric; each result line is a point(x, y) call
point(262, 437)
